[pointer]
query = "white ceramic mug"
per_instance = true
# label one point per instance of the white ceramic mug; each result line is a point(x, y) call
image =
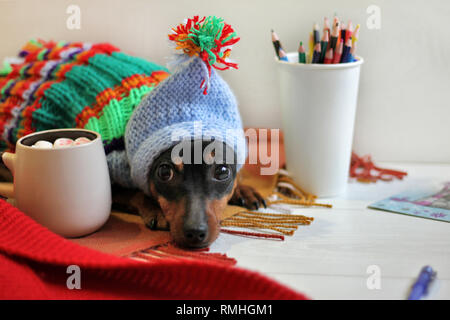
point(68, 189)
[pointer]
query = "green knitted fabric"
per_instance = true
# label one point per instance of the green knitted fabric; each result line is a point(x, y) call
point(66, 85)
point(114, 118)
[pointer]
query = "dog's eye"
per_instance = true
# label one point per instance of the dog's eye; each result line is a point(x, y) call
point(165, 172)
point(221, 173)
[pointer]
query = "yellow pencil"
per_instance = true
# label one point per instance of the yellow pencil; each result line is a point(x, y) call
point(311, 47)
point(355, 35)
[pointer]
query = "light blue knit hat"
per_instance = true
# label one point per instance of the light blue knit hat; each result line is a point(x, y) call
point(179, 109)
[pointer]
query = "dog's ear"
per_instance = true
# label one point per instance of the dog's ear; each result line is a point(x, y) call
point(150, 211)
point(136, 202)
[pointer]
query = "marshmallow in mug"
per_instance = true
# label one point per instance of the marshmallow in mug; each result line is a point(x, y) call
point(81, 140)
point(61, 143)
point(42, 144)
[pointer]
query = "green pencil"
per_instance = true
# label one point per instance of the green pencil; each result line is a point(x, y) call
point(301, 53)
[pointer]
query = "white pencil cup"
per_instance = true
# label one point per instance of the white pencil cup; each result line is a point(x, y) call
point(318, 104)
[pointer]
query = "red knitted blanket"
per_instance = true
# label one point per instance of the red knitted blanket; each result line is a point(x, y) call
point(34, 265)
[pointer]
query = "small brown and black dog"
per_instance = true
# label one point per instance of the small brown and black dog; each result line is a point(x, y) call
point(187, 198)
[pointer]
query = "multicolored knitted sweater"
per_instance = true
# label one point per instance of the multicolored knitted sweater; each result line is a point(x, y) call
point(67, 85)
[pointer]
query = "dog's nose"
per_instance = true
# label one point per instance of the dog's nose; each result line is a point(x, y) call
point(196, 235)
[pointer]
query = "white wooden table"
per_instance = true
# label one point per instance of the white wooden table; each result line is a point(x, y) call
point(330, 258)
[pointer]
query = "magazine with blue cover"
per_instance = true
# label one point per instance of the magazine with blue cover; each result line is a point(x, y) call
point(419, 203)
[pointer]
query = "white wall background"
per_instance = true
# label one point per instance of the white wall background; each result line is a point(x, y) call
point(404, 102)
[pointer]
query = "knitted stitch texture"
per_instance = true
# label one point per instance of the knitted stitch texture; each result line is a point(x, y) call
point(178, 110)
point(66, 85)
point(96, 87)
point(34, 261)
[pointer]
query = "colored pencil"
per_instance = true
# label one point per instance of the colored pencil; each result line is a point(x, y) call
point(301, 53)
point(337, 44)
point(339, 34)
point(338, 53)
point(346, 51)
point(323, 46)
point(276, 43)
point(283, 56)
point(355, 35)
point(328, 57)
point(326, 26)
point(316, 32)
point(310, 47)
point(334, 34)
point(348, 33)
point(316, 56)
point(343, 32)
point(353, 53)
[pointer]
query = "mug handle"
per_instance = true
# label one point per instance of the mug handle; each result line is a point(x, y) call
point(6, 188)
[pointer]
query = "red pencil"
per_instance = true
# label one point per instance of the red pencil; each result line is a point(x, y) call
point(328, 56)
point(326, 26)
point(349, 31)
point(338, 54)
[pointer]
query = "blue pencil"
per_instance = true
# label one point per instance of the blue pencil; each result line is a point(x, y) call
point(283, 56)
point(346, 51)
point(352, 55)
point(316, 55)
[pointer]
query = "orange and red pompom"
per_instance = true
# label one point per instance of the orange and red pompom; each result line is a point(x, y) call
point(209, 38)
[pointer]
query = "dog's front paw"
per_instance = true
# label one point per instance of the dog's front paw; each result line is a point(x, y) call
point(248, 197)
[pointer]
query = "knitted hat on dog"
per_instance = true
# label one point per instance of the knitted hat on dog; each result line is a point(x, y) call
point(193, 103)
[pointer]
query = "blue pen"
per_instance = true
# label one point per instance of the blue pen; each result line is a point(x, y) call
point(422, 284)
